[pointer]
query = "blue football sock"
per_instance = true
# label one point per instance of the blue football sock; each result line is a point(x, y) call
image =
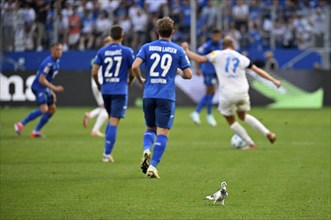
point(43, 120)
point(201, 103)
point(159, 148)
point(33, 115)
point(209, 103)
point(149, 138)
point(110, 139)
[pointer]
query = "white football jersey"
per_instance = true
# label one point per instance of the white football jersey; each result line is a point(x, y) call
point(230, 69)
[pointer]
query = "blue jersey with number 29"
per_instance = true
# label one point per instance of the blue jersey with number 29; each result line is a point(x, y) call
point(162, 58)
point(116, 60)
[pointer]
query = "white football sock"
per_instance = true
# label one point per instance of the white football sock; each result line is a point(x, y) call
point(102, 117)
point(240, 130)
point(95, 112)
point(256, 124)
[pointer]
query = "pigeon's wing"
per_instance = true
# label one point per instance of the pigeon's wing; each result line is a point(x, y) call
point(217, 195)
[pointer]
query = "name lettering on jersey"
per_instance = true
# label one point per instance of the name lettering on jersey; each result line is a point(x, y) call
point(158, 80)
point(112, 80)
point(113, 52)
point(162, 49)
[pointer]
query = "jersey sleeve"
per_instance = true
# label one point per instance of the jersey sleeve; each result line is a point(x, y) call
point(202, 50)
point(184, 62)
point(244, 61)
point(46, 68)
point(98, 59)
point(212, 56)
point(142, 53)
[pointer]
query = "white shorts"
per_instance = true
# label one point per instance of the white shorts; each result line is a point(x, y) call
point(97, 95)
point(228, 105)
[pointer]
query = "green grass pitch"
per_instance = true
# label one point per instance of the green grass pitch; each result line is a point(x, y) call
point(62, 176)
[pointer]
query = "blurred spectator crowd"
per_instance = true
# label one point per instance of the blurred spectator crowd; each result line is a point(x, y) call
point(82, 24)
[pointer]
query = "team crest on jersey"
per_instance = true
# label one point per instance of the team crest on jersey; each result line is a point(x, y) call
point(213, 53)
point(46, 69)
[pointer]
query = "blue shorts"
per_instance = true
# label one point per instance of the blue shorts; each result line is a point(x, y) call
point(115, 105)
point(159, 112)
point(209, 79)
point(43, 96)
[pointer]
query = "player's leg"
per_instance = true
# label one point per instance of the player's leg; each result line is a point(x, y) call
point(242, 110)
point(89, 115)
point(256, 124)
point(149, 106)
point(202, 102)
point(110, 139)
point(209, 100)
point(165, 112)
point(41, 101)
point(239, 129)
point(227, 109)
point(98, 98)
point(102, 115)
point(116, 107)
point(48, 110)
point(43, 120)
point(195, 116)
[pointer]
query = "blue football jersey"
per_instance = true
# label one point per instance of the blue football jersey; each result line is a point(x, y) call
point(206, 48)
point(49, 67)
point(115, 61)
point(162, 58)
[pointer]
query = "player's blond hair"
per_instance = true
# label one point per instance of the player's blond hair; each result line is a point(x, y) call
point(106, 40)
point(228, 42)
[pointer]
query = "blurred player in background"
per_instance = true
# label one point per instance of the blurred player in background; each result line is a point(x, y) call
point(44, 91)
point(115, 61)
point(210, 79)
point(233, 86)
point(99, 111)
point(162, 58)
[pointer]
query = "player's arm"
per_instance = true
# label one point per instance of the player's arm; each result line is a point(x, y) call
point(42, 79)
point(136, 70)
point(94, 72)
point(265, 75)
point(194, 56)
point(185, 74)
point(131, 77)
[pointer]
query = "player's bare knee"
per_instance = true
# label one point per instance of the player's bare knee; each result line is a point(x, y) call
point(43, 108)
point(241, 115)
point(210, 89)
point(230, 119)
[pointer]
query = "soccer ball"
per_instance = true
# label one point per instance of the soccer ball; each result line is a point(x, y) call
point(237, 142)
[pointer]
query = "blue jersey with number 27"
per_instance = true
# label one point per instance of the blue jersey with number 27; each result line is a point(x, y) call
point(162, 58)
point(115, 60)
